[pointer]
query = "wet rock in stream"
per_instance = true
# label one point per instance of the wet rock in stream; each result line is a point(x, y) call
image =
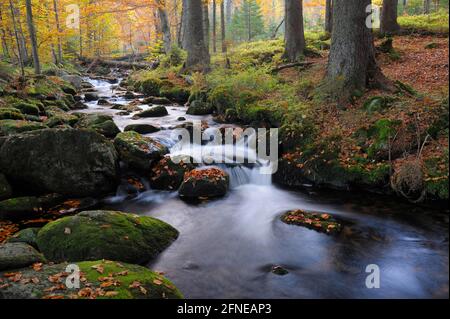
point(204, 183)
point(321, 222)
point(138, 151)
point(94, 235)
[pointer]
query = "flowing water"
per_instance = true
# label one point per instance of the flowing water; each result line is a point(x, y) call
point(227, 247)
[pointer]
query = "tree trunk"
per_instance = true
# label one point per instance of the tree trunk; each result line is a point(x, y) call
point(222, 26)
point(229, 10)
point(198, 55)
point(214, 24)
point(165, 27)
point(426, 6)
point(58, 28)
point(352, 65)
point(182, 40)
point(16, 35)
point(5, 48)
point(329, 16)
point(32, 32)
point(294, 32)
point(206, 25)
point(389, 22)
point(20, 35)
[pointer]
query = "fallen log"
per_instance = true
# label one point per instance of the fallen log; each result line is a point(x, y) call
point(291, 65)
point(121, 64)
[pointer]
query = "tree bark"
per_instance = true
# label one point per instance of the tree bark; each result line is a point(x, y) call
point(206, 25)
point(294, 31)
point(165, 27)
point(329, 16)
point(229, 11)
point(58, 27)
point(389, 22)
point(222, 26)
point(352, 65)
point(33, 39)
point(5, 48)
point(214, 25)
point(426, 6)
point(22, 43)
point(16, 35)
point(198, 55)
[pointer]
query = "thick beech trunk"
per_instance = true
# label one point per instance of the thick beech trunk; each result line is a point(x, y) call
point(352, 65)
point(198, 55)
point(389, 22)
point(294, 31)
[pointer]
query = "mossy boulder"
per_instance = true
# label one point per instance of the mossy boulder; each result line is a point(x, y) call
point(157, 111)
point(66, 161)
point(151, 87)
point(20, 208)
point(94, 235)
point(11, 114)
point(138, 151)
point(11, 127)
point(320, 222)
point(91, 96)
point(168, 175)
point(176, 94)
point(27, 236)
point(157, 100)
point(18, 255)
point(102, 124)
point(200, 108)
point(27, 108)
point(5, 187)
point(57, 117)
point(142, 128)
point(204, 183)
point(101, 279)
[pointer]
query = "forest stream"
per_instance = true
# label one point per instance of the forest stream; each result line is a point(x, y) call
point(228, 247)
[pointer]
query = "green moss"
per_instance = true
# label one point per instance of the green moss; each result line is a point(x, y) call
point(151, 87)
point(11, 114)
point(57, 117)
point(378, 103)
point(436, 182)
point(105, 234)
point(434, 22)
point(10, 127)
point(176, 94)
point(27, 108)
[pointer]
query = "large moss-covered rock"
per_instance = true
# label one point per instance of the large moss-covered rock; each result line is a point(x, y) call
point(157, 100)
point(18, 255)
point(142, 128)
point(98, 280)
point(57, 117)
point(200, 108)
point(5, 188)
point(91, 96)
point(94, 235)
point(151, 87)
point(138, 151)
point(27, 108)
point(11, 114)
point(156, 111)
point(176, 94)
point(100, 123)
point(204, 183)
point(27, 236)
point(20, 208)
point(10, 127)
point(65, 161)
point(168, 175)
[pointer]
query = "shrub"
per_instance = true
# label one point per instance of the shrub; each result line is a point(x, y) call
point(151, 87)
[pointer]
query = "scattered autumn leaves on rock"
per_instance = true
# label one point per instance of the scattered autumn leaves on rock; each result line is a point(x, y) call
point(320, 222)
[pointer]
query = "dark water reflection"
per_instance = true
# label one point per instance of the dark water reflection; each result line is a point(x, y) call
point(227, 247)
